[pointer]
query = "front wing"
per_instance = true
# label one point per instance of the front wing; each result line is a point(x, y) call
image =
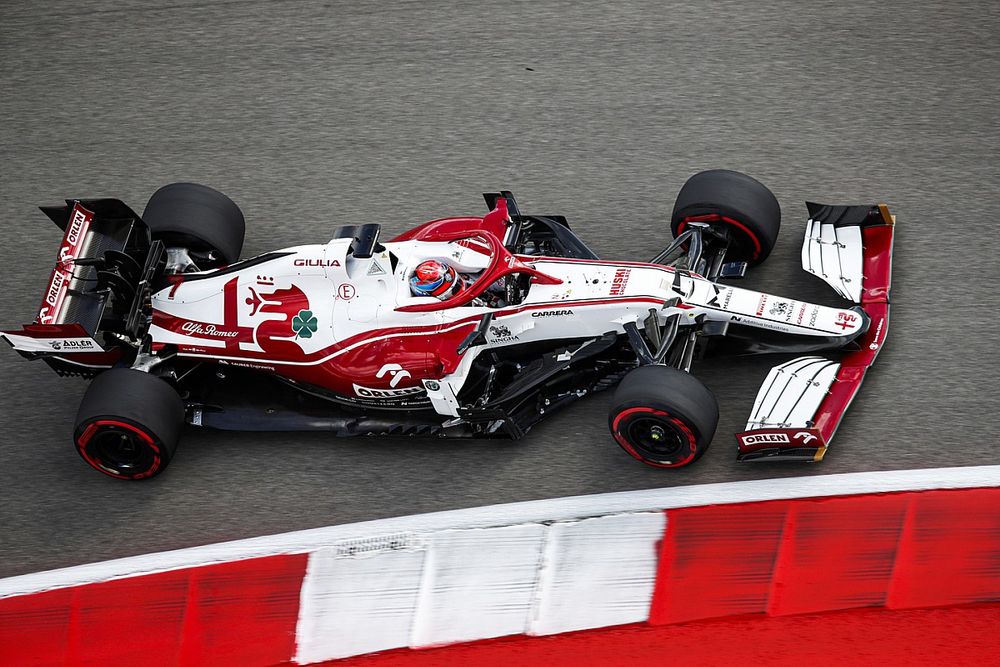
point(801, 403)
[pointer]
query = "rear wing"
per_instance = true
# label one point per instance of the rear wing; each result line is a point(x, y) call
point(801, 403)
point(99, 285)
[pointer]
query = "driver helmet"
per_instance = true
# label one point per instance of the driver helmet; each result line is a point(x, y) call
point(435, 278)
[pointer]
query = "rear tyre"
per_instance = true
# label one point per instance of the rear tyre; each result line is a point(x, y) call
point(198, 218)
point(128, 424)
point(735, 201)
point(663, 417)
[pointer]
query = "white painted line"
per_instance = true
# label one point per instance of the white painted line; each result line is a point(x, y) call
point(598, 572)
point(556, 509)
point(478, 583)
point(354, 603)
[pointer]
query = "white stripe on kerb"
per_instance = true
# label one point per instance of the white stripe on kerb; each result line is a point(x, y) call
point(357, 603)
point(465, 585)
point(597, 572)
point(477, 584)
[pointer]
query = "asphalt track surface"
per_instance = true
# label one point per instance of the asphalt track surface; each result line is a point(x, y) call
point(316, 114)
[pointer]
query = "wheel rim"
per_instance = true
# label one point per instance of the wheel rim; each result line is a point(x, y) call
point(754, 246)
point(655, 437)
point(119, 449)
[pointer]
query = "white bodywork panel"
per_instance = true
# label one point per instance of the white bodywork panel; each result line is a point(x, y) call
point(835, 254)
point(792, 392)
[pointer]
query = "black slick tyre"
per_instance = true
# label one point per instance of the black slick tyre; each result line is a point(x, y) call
point(196, 217)
point(744, 205)
point(663, 417)
point(128, 424)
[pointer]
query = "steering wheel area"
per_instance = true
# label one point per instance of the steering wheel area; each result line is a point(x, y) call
point(502, 264)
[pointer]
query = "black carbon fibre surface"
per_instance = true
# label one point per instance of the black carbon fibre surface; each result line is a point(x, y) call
point(312, 115)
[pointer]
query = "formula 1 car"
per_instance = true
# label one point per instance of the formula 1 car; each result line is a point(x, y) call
point(173, 328)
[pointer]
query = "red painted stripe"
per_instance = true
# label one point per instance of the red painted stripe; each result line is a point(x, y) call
point(34, 628)
point(837, 554)
point(794, 557)
point(238, 613)
point(130, 621)
point(954, 636)
point(717, 561)
point(950, 552)
point(244, 612)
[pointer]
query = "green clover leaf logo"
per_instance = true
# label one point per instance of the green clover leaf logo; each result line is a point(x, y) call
point(304, 324)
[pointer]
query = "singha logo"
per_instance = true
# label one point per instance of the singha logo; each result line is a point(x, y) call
point(779, 308)
point(502, 334)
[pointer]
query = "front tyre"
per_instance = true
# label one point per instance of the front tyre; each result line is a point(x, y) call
point(736, 202)
point(128, 424)
point(663, 417)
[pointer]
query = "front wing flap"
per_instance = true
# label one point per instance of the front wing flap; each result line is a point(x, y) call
point(850, 248)
point(781, 422)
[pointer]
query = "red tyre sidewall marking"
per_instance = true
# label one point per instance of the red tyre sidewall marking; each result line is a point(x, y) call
point(715, 217)
point(692, 440)
point(93, 427)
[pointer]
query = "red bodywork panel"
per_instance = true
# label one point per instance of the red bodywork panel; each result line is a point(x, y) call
point(425, 351)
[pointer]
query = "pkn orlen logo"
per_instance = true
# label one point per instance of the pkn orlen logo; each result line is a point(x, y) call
point(396, 374)
point(394, 371)
point(780, 438)
point(304, 324)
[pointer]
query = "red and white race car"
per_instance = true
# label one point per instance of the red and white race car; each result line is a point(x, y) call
point(174, 329)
